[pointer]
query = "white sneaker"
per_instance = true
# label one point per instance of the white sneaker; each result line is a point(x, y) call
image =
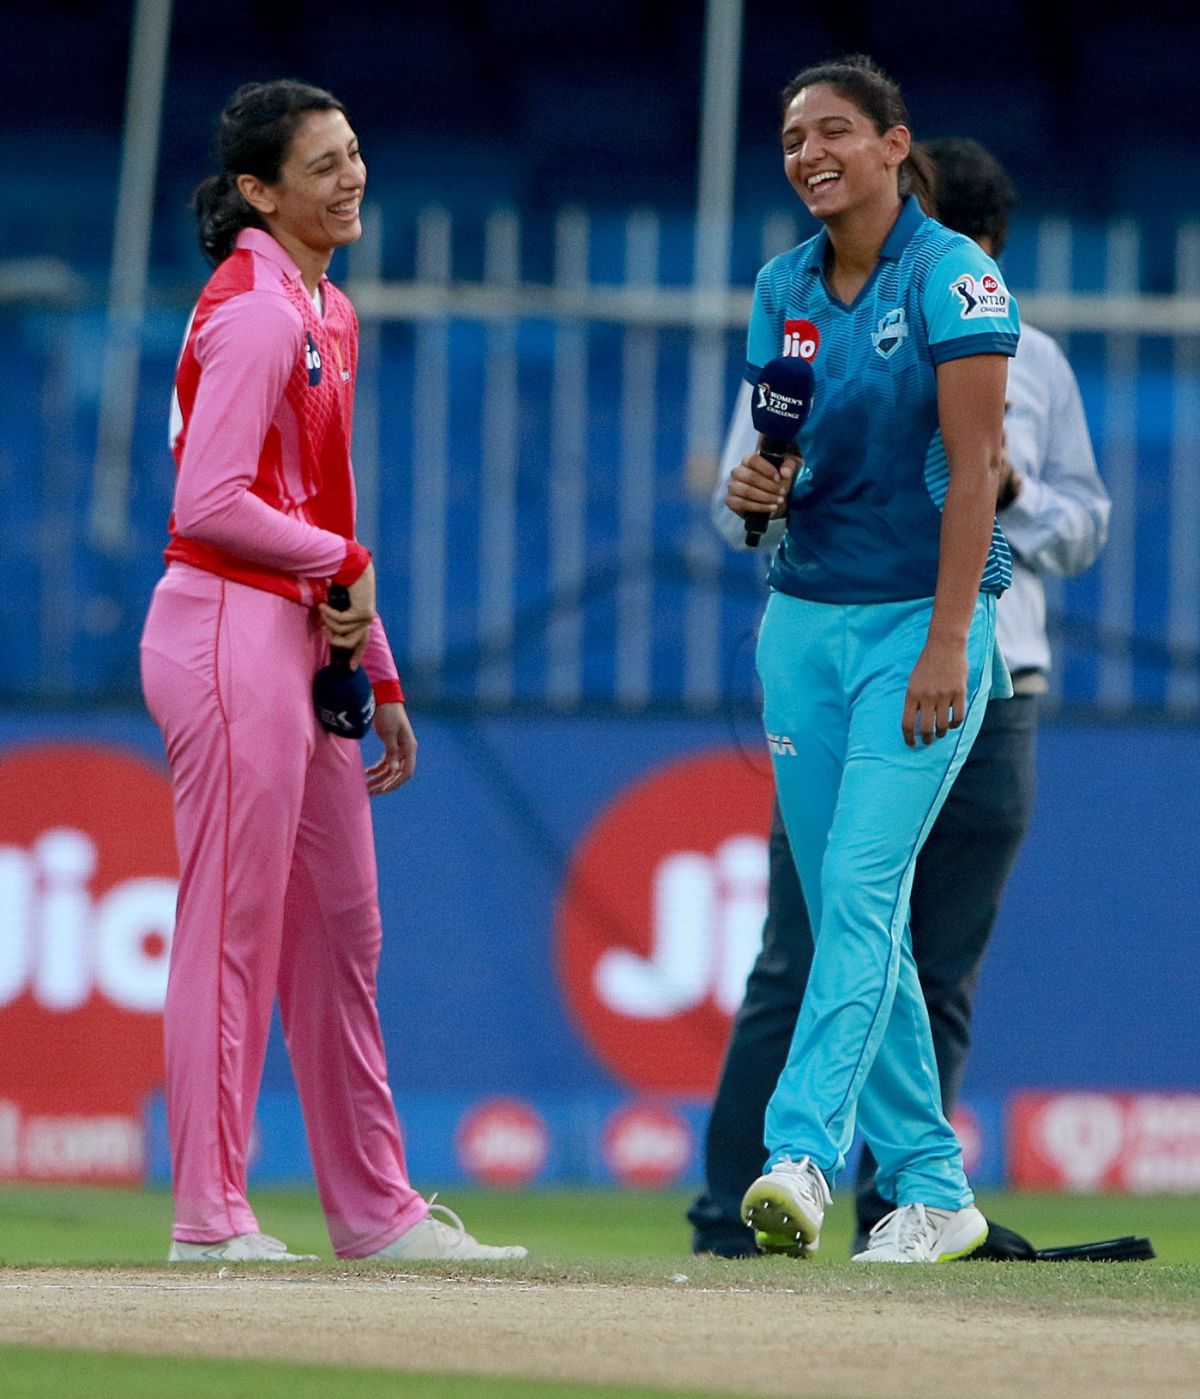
point(919, 1234)
point(430, 1238)
point(786, 1208)
point(241, 1248)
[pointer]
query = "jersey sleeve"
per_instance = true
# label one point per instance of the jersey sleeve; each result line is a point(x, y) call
point(247, 350)
point(967, 307)
point(381, 667)
point(763, 338)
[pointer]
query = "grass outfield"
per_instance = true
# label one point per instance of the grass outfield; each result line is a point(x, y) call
point(48, 1374)
point(49, 1225)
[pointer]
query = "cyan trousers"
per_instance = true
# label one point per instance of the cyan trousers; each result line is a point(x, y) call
point(858, 804)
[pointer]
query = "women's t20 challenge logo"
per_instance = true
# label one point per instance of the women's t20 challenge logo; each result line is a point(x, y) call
point(661, 918)
point(986, 297)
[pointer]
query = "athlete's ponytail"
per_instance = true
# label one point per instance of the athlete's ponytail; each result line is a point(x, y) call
point(918, 176)
point(860, 80)
point(254, 136)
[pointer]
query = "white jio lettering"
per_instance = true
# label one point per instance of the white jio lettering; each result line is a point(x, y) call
point(799, 346)
point(60, 942)
point(707, 922)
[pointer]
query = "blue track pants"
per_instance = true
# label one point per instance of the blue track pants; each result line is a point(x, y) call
point(858, 804)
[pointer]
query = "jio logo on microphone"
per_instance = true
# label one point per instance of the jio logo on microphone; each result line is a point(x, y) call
point(661, 917)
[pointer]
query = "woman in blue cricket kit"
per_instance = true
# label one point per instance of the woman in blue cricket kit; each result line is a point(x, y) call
point(877, 651)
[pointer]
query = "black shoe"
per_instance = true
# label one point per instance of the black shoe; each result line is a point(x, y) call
point(1004, 1246)
point(740, 1245)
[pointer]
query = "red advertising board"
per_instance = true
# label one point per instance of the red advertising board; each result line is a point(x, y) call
point(1136, 1142)
point(661, 919)
point(87, 910)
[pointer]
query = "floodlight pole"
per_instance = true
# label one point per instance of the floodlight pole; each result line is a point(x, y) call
point(707, 357)
point(128, 277)
point(718, 142)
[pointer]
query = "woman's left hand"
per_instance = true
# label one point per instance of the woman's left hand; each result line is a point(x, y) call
point(936, 701)
point(399, 759)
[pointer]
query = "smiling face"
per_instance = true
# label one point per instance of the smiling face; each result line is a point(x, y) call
point(314, 205)
point(833, 156)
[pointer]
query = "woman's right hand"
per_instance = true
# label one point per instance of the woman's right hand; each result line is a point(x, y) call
point(759, 487)
point(350, 629)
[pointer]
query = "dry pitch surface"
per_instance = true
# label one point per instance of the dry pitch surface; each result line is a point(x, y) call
point(866, 1339)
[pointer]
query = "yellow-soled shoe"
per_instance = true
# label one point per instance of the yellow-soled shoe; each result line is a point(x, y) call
point(921, 1234)
point(786, 1208)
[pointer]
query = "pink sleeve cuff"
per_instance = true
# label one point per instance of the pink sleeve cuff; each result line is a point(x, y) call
point(387, 692)
point(354, 565)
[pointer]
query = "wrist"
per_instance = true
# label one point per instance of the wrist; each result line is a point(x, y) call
point(946, 637)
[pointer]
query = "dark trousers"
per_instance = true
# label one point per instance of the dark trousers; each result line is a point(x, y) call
point(960, 877)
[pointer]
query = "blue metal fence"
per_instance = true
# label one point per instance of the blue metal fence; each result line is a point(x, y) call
point(534, 470)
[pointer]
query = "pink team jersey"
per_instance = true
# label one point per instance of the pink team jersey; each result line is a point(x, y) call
point(260, 433)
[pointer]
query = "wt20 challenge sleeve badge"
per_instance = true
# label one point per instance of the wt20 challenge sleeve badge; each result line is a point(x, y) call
point(981, 297)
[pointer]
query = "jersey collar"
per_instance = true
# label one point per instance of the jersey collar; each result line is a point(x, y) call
point(258, 240)
point(909, 219)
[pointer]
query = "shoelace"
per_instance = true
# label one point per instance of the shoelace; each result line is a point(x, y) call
point(811, 1174)
point(454, 1223)
point(905, 1229)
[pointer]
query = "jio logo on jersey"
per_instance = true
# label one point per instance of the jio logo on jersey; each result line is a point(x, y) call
point(660, 920)
point(312, 361)
point(801, 340)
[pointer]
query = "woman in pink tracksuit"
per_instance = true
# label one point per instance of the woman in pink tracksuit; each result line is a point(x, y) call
point(278, 890)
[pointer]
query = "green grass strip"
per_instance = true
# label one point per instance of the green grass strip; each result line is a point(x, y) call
point(51, 1374)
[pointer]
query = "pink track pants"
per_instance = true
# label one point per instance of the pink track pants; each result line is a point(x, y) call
point(277, 894)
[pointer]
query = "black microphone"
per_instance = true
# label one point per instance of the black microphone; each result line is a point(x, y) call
point(782, 400)
point(343, 698)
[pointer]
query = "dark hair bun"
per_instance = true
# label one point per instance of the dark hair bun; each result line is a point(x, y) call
point(254, 136)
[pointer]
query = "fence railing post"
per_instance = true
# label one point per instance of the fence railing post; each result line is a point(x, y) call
point(431, 462)
point(1118, 562)
point(1183, 606)
point(498, 465)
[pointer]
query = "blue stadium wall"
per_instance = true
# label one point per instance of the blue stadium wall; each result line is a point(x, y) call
point(1090, 984)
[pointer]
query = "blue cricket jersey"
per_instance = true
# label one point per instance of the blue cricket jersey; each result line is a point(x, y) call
point(865, 513)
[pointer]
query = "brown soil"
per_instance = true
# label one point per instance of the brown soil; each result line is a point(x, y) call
point(768, 1343)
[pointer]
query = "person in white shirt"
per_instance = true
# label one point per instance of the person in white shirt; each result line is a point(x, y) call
point(1054, 511)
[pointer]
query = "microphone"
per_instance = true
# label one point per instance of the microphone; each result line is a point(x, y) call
point(782, 400)
point(343, 698)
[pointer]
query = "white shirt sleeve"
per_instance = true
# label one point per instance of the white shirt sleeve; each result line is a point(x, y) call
point(740, 440)
point(1059, 521)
